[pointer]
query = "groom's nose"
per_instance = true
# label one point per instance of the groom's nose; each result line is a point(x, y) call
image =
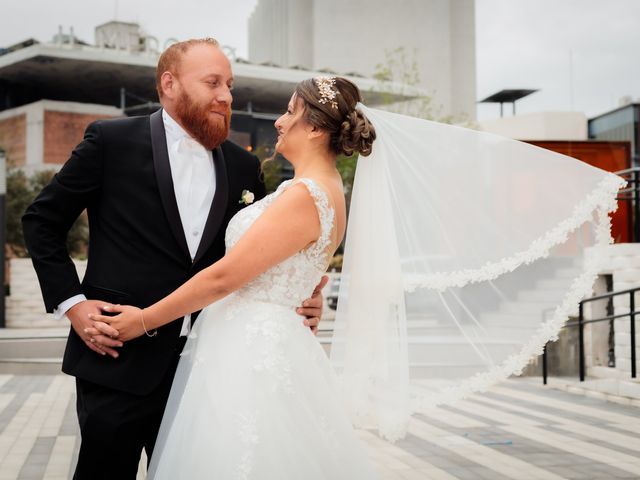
point(223, 95)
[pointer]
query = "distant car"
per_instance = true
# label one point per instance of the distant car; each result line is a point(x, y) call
point(334, 288)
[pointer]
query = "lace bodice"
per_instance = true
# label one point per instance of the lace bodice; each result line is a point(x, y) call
point(293, 280)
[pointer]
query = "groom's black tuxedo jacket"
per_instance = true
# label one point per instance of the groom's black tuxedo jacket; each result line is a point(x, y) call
point(137, 249)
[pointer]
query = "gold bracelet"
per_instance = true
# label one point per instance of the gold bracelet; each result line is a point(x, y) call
point(155, 330)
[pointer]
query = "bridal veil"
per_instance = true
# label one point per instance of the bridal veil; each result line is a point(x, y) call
point(465, 253)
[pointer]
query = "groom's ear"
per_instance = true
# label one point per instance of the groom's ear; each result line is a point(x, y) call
point(168, 84)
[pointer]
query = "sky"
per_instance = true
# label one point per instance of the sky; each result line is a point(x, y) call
point(581, 54)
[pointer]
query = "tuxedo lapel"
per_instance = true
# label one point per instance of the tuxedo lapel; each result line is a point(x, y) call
point(218, 205)
point(164, 179)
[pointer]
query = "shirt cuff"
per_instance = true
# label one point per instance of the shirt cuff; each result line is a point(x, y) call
point(186, 325)
point(65, 306)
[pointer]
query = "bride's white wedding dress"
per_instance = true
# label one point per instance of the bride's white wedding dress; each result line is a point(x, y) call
point(254, 394)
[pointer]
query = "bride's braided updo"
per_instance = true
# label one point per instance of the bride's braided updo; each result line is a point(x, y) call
point(330, 104)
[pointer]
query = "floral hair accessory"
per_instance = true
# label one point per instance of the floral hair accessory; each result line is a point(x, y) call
point(327, 91)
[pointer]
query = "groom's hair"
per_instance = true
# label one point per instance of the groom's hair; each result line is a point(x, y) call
point(169, 61)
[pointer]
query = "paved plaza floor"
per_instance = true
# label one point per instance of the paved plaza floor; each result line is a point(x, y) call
point(518, 430)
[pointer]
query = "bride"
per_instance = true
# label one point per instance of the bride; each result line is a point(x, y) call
point(253, 395)
point(464, 255)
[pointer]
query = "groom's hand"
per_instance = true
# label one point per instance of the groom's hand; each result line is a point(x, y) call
point(312, 307)
point(80, 321)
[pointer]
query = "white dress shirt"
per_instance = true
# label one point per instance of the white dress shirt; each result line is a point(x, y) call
point(194, 185)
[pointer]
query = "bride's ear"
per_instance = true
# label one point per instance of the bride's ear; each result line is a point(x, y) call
point(314, 132)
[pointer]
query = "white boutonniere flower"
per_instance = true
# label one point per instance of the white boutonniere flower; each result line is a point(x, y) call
point(247, 197)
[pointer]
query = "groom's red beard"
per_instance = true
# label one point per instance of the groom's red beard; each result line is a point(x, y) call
point(209, 130)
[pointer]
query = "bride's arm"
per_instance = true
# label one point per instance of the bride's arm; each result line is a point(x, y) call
point(287, 226)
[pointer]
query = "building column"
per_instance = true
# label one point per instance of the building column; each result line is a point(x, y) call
point(34, 136)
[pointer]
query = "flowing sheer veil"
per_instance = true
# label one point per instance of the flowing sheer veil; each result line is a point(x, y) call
point(465, 253)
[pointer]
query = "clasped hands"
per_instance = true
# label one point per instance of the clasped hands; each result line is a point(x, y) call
point(104, 334)
point(124, 326)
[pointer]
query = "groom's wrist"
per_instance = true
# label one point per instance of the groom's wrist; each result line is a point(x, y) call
point(62, 309)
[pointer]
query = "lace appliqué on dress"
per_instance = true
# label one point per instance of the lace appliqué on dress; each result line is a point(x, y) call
point(273, 358)
point(247, 431)
point(318, 251)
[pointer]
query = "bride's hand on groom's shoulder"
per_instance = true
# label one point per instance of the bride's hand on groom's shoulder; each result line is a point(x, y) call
point(125, 324)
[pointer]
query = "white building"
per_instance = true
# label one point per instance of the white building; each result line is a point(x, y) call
point(539, 126)
point(353, 36)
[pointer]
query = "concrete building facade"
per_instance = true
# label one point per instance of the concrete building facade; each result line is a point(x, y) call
point(352, 37)
point(50, 92)
point(42, 134)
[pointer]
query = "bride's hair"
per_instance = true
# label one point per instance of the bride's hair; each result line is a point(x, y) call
point(330, 104)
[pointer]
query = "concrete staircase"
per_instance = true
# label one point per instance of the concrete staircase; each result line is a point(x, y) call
point(428, 335)
point(32, 351)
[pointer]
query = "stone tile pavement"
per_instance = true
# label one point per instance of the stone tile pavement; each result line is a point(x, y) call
point(519, 430)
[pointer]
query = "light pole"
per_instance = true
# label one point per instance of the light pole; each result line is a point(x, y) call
point(3, 226)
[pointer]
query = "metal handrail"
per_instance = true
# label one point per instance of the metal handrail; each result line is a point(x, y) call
point(581, 322)
point(627, 170)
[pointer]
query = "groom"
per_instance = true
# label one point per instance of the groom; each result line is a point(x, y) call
point(159, 191)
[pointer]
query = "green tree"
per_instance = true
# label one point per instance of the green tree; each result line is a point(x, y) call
point(398, 75)
point(271, 167)
point(21, 191)
point(347, 168)
point(18, 199)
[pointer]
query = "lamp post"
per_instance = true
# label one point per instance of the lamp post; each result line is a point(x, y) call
point(3, 224)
